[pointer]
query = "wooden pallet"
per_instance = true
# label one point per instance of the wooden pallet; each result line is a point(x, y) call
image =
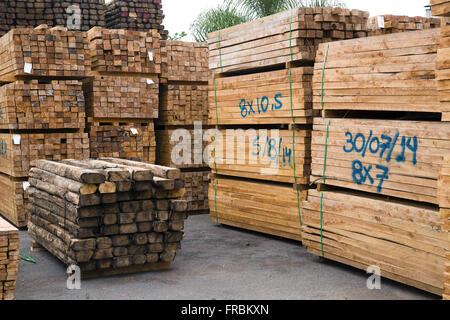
point(394, 72)
point(387, 24)
point(13, 207)
point(393, 158)
point(443, 72)
point(440, 8)
point(196, 184)
point(19, 150)
point(263, 155)
point(262, 98)
point(183, 104)
point(119, 138)
point(122, 97)
point(256, 205)
point(283, 37)
point(32, 105)
point(26, 52)
point(184, 61)
point(125, 51)
point(9, 259)
point(405, 240)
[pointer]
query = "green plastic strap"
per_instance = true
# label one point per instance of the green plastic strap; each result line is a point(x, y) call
point(326, 152)
point(26, 258)
point(220, 54)
point(293, 122)
point(323, 71)
point(324, 180)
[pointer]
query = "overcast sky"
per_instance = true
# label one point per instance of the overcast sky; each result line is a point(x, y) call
point(180, 13)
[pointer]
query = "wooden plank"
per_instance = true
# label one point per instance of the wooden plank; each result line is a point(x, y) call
point(9, 259)
point(387, 24)
point(440, 8)
point(14, 205)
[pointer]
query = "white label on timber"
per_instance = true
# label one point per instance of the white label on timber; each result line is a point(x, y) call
point(380, 22)
point(150, 55)
point(25, 185)
point(134, 131)
point(27, 67)
point(16, 138)
point(150, 81)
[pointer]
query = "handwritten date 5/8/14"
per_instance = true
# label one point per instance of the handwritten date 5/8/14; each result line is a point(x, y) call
point(393, 149)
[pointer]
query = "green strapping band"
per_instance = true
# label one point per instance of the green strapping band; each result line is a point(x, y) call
point(293, 122)
point(323, 70)
point(26, 258)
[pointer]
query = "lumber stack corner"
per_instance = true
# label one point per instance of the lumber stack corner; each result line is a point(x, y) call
point(9, 259)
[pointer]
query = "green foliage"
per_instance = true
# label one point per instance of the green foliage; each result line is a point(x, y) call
point(178, 36)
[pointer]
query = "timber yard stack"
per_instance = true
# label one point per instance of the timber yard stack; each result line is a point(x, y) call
point(141, 15)
point(376, 156)
point(444, 203)
point(108, 216)
point(123, 93)
point(387, 24)
point(262, 83)
point(183, 111)
point(42, 107)
point(9, 259)
point(22, 13)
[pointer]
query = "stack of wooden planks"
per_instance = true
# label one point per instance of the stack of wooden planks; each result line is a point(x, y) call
point(444, 204)
point(443, 70)
point(386, 24)
point(407, 243)
point(14, 208)
point(131, 140)
point(262, 98)
point(125, 51)
point(278, 39)
point(58, 104)
point(141, 15)
point(263, 207)
point(124, 97)
point(22, 13)
point(43, 52)
point(394, 72)
point(108, 216)
point(440, 8)
point(9, 259)
point(196, 184)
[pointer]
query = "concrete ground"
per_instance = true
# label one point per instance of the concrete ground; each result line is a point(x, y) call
point(216, 262)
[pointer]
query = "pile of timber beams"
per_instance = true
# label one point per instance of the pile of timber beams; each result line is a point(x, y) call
point(43, 52)
point(394, 72)
point(14, 209)
point(444, 203)
point(196, 184)
point(387, 24)
point(267, 41)
point(32, 105)
point(9, 259)
point(91, 13)
point(108, 216)
point(141, 15)
point(443, 71)
point(262, 207)
point(440, 8)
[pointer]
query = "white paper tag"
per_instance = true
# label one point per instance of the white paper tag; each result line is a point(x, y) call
point(26, 185)
point(134, 131)
point(16, 138)
point(27, 67)
point(380, 22)
point(150, 81)
point(150, 54)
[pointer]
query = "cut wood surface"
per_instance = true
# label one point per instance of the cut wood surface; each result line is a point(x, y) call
point(443, 72)
point(263, 155)
point(18, 151)
point(26, 52)
point(388, 23)
point(262, 98)
point(116, 139)
point(125, 51)
point(140, 223)
point(394, 72)
point(14, 200)
point(287, 36)
point(406, 241)
point(444, 203)
point(32, 105)
point(122, 97)
point(395, 158)
point(135, 15)
point(9, 259)
point(196, 184)
point(259, 206)
point(440, 8)
point(184, 61)
point(183, 104)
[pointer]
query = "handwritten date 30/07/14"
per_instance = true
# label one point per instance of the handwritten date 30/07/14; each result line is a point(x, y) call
point(394, 149)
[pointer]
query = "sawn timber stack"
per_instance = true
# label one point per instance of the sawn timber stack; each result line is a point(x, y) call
point(9, 259)
point(444, 203)
point(108, 216)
